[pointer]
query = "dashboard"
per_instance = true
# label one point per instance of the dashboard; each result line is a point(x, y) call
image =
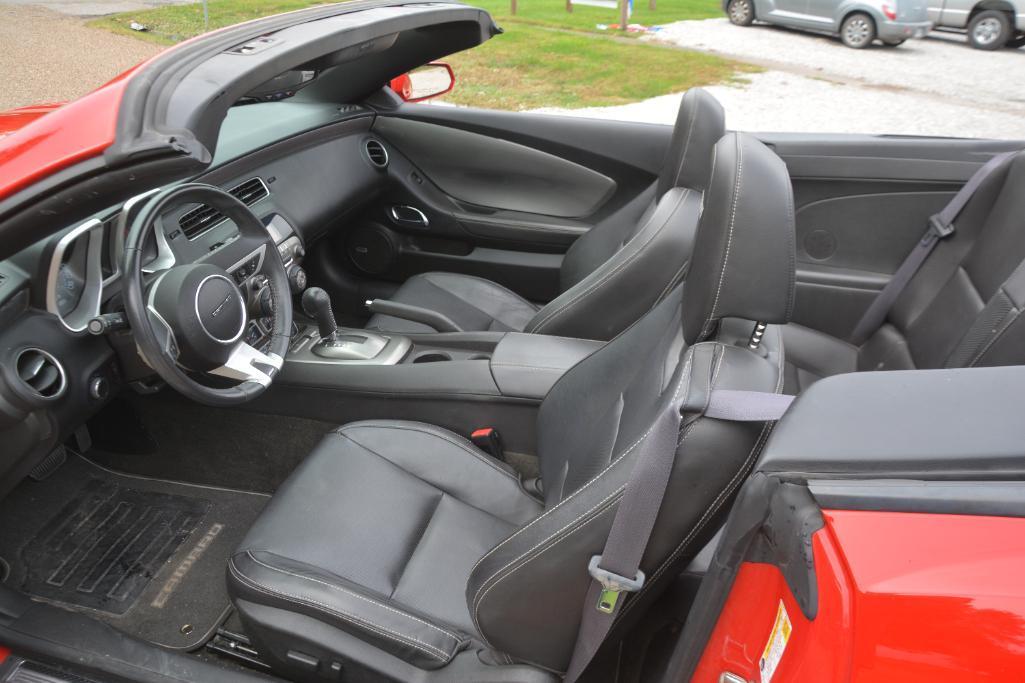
point(54, 374)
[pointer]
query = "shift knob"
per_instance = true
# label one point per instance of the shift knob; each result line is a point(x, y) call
point(317, 305)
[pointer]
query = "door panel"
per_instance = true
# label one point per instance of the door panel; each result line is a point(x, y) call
point(493, 173)
point(861, 203)
point(500, 195)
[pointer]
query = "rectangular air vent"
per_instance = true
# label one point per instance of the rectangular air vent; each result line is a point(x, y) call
point(197, 221)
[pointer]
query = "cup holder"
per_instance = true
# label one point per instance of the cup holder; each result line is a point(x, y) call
point(432, 357)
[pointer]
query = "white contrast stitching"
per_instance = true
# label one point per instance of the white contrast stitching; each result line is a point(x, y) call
point(422, 428)
point(409, 641)
point(605, 278)
point(684, 374)
point(355, 595)
point(729, 237)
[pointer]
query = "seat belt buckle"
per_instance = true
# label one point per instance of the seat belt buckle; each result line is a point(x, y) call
point(939, 228)
point(488, 440)
point(612, 585)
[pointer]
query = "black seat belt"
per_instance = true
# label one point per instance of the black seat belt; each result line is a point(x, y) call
point(940, 225)
point(617, 569)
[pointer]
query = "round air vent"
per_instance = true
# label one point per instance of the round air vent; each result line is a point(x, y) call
point(377, 154)
point(42, 374)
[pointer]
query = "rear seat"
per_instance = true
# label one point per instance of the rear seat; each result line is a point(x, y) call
point(961, 309)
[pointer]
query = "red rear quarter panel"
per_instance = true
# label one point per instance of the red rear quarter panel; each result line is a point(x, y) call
point(902, 597)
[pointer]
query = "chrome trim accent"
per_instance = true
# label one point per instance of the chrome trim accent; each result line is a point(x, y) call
point(224, 218)
point(241, 365)
point(387, 158)
point(122, 226)
point(88, 307)
point(171, 340)
point(420, 220)
point(237, 293)
point(50, 357)
point(396, 348)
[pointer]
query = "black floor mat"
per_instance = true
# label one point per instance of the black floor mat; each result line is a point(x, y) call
point(103, 548)
point(144, 555)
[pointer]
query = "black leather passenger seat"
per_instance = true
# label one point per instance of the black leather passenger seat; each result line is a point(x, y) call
point(613, 274)
point(961, 309)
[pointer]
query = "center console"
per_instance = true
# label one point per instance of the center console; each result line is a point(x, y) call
point(459, 380)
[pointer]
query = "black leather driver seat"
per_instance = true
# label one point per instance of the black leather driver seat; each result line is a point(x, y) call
point(961, 309)
point(613, 274)
point(399, 550)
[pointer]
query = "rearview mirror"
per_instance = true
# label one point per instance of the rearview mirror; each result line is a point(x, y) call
point(424, 82)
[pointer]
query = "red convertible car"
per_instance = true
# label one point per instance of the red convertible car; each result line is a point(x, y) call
point(303, 380)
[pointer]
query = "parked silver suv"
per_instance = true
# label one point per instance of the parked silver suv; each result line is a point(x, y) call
point(991, 24)
point(858, 22)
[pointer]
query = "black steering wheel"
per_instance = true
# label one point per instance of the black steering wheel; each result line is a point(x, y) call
point(193, 317)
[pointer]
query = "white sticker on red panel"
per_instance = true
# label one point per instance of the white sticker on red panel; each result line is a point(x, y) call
point(777, 645)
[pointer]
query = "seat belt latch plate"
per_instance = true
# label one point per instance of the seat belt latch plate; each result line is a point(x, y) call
point(612, 585)
point(938, 228)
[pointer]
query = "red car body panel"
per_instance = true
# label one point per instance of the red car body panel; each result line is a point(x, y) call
point(902, 597)
point(38, 142)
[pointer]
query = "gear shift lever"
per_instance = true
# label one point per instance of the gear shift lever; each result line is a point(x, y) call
point(317, 305)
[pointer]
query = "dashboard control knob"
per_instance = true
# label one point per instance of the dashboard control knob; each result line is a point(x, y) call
point(99, 388)
point(297, 279)
point(263, 304)
point(106, 323)
point(298, 252)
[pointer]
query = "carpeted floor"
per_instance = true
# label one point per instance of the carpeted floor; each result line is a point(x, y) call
point(169, 437)
point(145, 555)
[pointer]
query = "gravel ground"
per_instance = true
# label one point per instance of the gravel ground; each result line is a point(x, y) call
point(93, 8)
point(942, 64)
point(776, 101)
point(49, 57)
point(935, 86)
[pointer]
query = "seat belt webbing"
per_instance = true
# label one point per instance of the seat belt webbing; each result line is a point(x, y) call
point(617, 569)
point(940, 225)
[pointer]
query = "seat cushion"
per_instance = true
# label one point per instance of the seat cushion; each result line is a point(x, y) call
point(472, 303)
point(376, 533)
point(812, 355)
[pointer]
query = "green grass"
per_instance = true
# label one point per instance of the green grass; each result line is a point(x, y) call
point(546, 57)
point(584, 18)
point(531, 67)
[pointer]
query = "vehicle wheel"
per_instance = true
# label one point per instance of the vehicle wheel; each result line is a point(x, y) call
point(893, 43)
point(858, 31)
point(989, 30)
point(741, 12)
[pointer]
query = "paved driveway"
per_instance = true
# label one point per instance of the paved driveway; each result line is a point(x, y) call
point(812, 83)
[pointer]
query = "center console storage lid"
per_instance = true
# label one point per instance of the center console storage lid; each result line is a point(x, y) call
point(919, 424)
point(528, 365)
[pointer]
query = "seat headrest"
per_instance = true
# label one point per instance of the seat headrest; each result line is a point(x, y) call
point(699, 125)
point(743, 260)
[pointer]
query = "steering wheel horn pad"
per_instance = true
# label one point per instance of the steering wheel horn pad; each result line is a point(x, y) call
point(193, 316)
point(204, 310)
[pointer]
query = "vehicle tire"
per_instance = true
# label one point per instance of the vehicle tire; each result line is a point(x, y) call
point(989, 30)
point(741, 12)
point(1017, 41)
point(893, 43)
point(858, 31)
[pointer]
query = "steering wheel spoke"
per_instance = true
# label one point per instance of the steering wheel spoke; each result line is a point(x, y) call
point(192, 317)
point(249, 364)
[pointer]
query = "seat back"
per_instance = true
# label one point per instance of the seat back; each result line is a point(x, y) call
point(962, 308)
point(626, 264)
point(525, 594)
